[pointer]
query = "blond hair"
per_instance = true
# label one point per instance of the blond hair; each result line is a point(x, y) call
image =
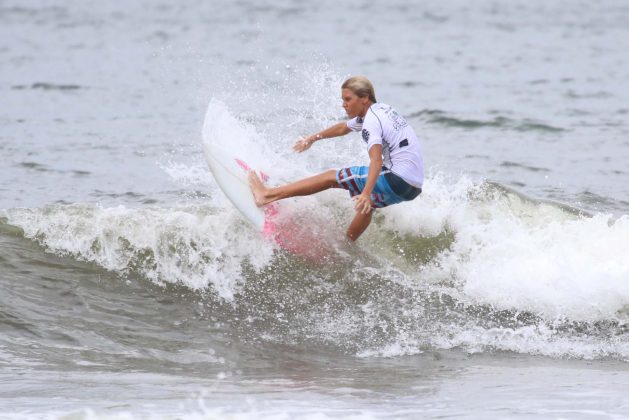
point(361, 87)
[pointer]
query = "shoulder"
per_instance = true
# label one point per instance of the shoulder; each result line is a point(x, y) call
point(380, 108)
point(376, 114)
point(378, 111)
point(388, 116)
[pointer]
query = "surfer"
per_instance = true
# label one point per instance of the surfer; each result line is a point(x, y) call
point(395, 172)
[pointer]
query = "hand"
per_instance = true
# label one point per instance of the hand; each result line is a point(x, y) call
point(303, 144)
point(362, 203)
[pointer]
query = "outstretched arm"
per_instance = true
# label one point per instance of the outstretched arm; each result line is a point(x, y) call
point(336, 130)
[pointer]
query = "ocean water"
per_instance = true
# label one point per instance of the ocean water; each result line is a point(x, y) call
point(131, 287)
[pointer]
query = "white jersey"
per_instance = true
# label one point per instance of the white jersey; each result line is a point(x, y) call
point(400, 146)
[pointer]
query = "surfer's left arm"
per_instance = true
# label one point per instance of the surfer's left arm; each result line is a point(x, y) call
point(363, 200)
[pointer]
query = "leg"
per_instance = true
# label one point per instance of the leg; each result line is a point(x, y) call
point(358, 225)
point(264, 195)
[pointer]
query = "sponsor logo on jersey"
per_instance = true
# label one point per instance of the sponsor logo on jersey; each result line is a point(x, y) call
point(397, 120)
point(365, 135)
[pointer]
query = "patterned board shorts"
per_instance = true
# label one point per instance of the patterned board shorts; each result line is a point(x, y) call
point(390, 188)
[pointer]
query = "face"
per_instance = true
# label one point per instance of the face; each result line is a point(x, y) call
point(354, 106)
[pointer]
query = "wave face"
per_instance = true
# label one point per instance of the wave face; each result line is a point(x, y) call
point(471, 265)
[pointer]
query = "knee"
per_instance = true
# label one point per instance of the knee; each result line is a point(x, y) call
point(330, 176)
point(331, 173)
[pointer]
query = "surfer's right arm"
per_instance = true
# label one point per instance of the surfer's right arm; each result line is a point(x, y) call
point(336, 130)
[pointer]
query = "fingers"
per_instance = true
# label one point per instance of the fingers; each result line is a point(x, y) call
point(299, 145)
point(302, 144)
point(362, 204)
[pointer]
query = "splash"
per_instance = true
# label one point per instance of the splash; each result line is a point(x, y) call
point(515, 253)
point(467, 265)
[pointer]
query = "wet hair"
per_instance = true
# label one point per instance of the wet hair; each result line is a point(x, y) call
point(361, 86)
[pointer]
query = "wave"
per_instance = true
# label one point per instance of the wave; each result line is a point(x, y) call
point(468, 265)
point(196, 246)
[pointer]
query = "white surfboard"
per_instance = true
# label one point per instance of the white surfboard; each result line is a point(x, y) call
point(230, 174)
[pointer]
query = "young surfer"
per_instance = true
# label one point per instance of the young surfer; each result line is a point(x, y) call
point(396, 169)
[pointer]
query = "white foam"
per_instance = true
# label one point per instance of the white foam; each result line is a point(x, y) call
point(514, 253)
point(533, 339)
point(196, 246)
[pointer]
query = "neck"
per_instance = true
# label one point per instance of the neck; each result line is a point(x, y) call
point(365, 109)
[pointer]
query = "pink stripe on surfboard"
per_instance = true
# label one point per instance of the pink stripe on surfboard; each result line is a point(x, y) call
point(247, 168)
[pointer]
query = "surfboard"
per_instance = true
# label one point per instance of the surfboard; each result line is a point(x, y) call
point(231, 174)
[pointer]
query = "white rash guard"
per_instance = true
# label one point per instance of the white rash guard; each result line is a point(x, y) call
point(400, 146)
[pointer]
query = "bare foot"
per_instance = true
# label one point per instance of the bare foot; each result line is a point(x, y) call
point(258, 189)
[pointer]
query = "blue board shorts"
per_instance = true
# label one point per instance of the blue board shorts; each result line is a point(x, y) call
point(390, 188)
